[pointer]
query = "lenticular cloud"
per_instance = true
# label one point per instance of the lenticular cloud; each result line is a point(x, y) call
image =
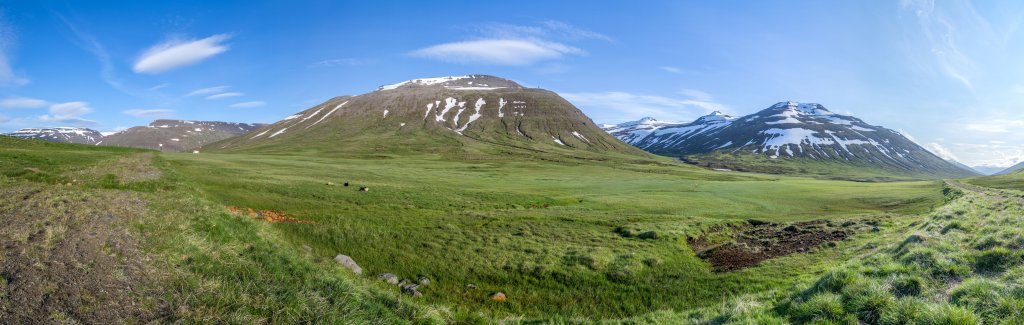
point(174, 54)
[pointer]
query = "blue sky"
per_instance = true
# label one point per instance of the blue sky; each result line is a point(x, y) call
point(947, 73)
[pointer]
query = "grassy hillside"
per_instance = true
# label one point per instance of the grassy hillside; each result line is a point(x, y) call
point(826, 169)
point(959, 265)
point(1012, 181)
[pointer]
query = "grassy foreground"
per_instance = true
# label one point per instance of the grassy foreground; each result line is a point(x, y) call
point(566, 241)
point(543, 233)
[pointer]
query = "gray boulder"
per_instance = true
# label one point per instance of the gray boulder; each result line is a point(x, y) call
point(388, 277)
point(349, 263)
point(423, 280)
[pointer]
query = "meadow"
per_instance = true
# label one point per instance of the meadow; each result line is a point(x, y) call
point(547, 234)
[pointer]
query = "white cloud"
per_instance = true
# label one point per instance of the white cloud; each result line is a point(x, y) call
point(149, 113)
point(622, 106)
point(941, 151)
point(22, 102)
point(7, 39)
point(70, 109)
point(248, 104)
point(69, 113)
point(995, 126)
point(177, 53)
point(512, 52)
point(337, 62)
point(158, 87)
point(208, 91)
point(572, 32)
point(223, 95)
point(671, 69)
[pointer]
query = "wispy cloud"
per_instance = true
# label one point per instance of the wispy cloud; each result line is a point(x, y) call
point(941, 151)
point(996, 126)
point(670, 69)
point(248, 104)
point(223, 95)
point(69, 113)
point(177, 53)
point(337, 62)
point(158, 87)
point(89, 43)
point(149, 113)
point(22, 102)
point(512, 52)
point(7, 40)
point(513, 45)
point(623, 106)
point(208, 91)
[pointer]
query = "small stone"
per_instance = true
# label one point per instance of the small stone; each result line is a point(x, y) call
point(423, 280)
point(364, 189)
point(307, 248)
point(388, 277)
point(471, 286)
point(410, 289)
point(349, 263)
point(330, 183)
point(346, 184)
point(875, 229)
point(499, 297)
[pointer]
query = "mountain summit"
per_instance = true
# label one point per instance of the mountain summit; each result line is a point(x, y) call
point(454, 115)
point(795, 131)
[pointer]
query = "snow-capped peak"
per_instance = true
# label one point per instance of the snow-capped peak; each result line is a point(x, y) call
point(423, 81)
point(716, 116)
point(805, 108)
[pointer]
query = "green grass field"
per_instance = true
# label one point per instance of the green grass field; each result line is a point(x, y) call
point(546, 233)
point(541, 232)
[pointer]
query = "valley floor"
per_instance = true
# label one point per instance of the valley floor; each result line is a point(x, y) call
point(161, 237)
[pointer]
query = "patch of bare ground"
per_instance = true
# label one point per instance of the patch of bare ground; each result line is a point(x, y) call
point(68, 255)
point(127, 169)
point(756, 242)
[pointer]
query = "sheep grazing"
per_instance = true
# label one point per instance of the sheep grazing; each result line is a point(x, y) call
point(346, 183)
point(364, 189)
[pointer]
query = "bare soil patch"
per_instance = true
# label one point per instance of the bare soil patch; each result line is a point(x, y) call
point(759, 241)
point(267, 215)
point(68, 255)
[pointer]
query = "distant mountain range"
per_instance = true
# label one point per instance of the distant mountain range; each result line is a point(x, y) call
point(166, 135)
point(177, 135)
point(60, 134)
point(772, 139)
point(463, 117)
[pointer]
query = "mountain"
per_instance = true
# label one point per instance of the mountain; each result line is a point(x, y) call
point(466, 116)
point(988, 170)
point(177, 135)
point(1011, 169)
point(789, 137)
point(60, 134)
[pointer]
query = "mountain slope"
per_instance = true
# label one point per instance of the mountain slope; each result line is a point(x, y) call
point(789, 137)
point(60, 134)
point(1011, 169)
point(464, 116)
point(177, 135)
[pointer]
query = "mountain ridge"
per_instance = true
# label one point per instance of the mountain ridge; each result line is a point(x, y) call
point(790, 131)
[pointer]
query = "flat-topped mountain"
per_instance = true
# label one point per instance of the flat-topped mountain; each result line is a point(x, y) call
point(177, 135)
point(60, 134)
point(787, 131)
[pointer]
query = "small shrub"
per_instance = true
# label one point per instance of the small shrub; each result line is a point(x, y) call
point(924, 257)
point(821, 307)
point(648, 235)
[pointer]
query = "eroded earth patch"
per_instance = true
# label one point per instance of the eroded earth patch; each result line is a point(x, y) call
point(751, 244)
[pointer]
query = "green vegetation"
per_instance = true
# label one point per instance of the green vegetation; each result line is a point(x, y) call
point(566, 240)
point(1011, 181)
point(574, 239)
